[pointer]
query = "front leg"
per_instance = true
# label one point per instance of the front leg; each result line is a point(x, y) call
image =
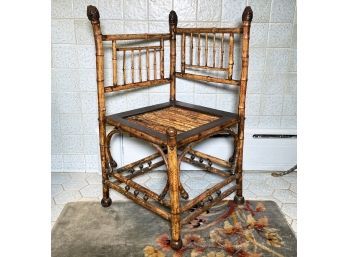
point(174, 182)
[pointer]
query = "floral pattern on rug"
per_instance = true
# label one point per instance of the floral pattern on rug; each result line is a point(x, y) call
point(224, 230)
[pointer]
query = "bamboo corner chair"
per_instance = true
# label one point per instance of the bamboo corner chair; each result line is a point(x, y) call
point(173, 128)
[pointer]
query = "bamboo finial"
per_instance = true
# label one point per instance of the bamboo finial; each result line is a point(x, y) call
point(247, 14)
point(93, 13)
point(173, 18)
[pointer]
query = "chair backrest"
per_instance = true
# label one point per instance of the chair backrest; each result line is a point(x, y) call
point(143, 65)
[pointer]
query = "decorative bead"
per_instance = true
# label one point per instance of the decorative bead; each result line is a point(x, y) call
point(136, 192)
point(127, 188)
point(145, 198)
point(193, 157)
point(201, 160)
point(149, 163)
point(218, 192)
point(210, 198)
point(210, 163)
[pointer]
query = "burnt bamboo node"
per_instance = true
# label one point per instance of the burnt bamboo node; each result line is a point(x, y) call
point(210, 198)
point(93, 13)
point(127, 188)
point(136, 192)
point(141, 166)
point(113, 164)
point(192, 157)
point(210, 163)
point(176, 244)
point(145, 197)
point(218, 192)
point(173, 18)
point(201, 160)
point(162, 195)
point(149, 163)
point(239, 199)
point(247, 14)
point(106, 202)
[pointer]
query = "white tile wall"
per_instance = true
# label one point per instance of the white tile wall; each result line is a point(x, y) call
point(271, 100)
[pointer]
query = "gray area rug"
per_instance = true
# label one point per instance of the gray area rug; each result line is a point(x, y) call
point(85, 229)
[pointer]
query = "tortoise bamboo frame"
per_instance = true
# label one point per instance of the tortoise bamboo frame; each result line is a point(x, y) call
point(172, 128)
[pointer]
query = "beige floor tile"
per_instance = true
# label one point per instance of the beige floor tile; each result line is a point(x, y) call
point(285, 196)
point(277, 183)
point(78, 175)
point(256, 176)
point(246, 183)
point(197, 183)
point(142, 179)
point(55, 211)
point(116, 196)
point(291, 178)
point(89, 199)
point(248, 195)
point(94, 178)
point(293, 188)
point(93, 190)
point(67, 196)
point(59, 177)
point(290, 209)
point(156, 183)
point(288, 219)
point(75, 184)
point(158, 174)
point(56, 189)
point(294, 225)
point(260, 188)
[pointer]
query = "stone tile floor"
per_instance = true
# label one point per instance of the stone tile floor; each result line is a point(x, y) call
point(68, 187)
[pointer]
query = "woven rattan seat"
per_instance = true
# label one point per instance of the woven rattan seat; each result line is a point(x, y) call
point(173, 128)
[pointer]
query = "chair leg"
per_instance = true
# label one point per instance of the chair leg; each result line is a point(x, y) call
point(174, 183)
point(106, 201)
point(239, 198)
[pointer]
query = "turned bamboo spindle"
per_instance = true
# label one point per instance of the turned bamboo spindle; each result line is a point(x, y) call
point(173, 22)
point(230, 56)
point(162, 58)
point(222, 50)
point(132, 65)
point(147, 64)
point(214, 50)
point(206, 49)
point(154, 64)
point(124, 67)
point(140, 71)
point(114, 63)
point(183, 50)
point(199, 49)
point(191, 49)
